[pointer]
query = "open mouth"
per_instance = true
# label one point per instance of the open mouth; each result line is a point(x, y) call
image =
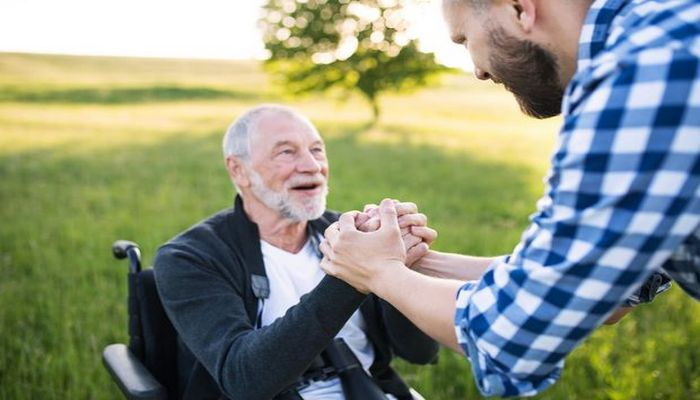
point(309, 187)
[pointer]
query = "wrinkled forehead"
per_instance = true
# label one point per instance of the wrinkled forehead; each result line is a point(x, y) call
point(275, 126)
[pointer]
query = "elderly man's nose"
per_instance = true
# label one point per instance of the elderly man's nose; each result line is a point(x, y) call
point(308, 163)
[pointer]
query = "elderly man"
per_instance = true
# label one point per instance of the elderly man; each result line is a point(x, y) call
point(622, 198)
point(244, 290)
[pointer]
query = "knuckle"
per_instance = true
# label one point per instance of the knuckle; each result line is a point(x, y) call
point(343, 236)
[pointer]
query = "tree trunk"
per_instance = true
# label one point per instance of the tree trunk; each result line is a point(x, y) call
point(375, 109)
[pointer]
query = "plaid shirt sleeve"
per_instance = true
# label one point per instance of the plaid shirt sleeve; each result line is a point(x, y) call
point(621, 197)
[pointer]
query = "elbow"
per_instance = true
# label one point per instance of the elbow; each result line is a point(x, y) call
point(236, 380)
point(233, 388)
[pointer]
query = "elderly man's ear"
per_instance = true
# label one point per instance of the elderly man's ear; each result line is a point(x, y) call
point(237, 171)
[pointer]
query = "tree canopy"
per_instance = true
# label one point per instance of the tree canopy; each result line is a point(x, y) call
point(363, 45)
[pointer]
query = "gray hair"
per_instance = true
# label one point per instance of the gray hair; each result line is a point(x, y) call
point(237, 140)
point(477, 4)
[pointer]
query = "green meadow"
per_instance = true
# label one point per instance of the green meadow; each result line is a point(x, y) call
point(97, 149)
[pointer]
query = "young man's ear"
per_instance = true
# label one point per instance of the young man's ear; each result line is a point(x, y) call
point(237, 172)
point(526, 11)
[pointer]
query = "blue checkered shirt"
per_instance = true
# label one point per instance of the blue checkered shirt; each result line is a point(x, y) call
point(621, 200)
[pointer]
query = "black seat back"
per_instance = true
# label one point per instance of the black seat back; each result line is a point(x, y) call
point(157, 333)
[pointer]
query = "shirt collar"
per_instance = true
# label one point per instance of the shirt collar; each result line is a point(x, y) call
point(596, 29)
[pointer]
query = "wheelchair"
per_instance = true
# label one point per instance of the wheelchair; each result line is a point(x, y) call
point(146, 368)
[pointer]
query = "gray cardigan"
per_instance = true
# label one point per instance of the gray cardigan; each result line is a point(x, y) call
point(203, 278)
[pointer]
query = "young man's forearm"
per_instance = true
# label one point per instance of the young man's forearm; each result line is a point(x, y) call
point(466, 268)
point(427, 301)
point(452, 266)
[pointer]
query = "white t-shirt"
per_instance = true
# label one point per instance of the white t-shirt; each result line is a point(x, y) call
point(290, 277)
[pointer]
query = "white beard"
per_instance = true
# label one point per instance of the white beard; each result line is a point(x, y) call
point(284, 203)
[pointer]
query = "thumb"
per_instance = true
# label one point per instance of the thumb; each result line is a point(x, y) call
point(346, 222)
point(387, 214)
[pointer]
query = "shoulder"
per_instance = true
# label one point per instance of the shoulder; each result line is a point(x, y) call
point(620, 80)
point(648, 32)
point(660, 25)
point(201, 244)
point(650, 23)
point(203, 233)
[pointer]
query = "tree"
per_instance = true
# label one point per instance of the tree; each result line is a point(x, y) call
point(319, 45)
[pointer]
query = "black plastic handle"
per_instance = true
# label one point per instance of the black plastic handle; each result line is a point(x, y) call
point(121, 247)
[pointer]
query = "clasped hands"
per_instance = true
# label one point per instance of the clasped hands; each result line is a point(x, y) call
point(365, 248)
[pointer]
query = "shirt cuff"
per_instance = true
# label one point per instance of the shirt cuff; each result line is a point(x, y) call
point(490, 380)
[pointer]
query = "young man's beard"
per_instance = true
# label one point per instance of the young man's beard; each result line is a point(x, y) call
point(528, 71)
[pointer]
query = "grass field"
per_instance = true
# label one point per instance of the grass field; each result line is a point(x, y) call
point(98, 149)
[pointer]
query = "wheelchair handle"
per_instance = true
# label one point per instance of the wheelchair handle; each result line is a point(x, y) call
point(122, 249)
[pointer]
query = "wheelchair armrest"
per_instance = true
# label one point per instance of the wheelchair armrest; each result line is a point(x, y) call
point(132, 377)
point(415, 394)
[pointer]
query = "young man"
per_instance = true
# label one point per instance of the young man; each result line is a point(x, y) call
point(622, 198)
point(244, 290)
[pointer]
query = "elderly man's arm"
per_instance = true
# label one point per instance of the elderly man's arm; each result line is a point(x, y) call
point(206, 304)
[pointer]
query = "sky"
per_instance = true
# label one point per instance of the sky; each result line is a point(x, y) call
point(216, 29)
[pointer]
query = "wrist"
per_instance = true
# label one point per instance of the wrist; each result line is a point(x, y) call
point(385, 277)
point(426, 265)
